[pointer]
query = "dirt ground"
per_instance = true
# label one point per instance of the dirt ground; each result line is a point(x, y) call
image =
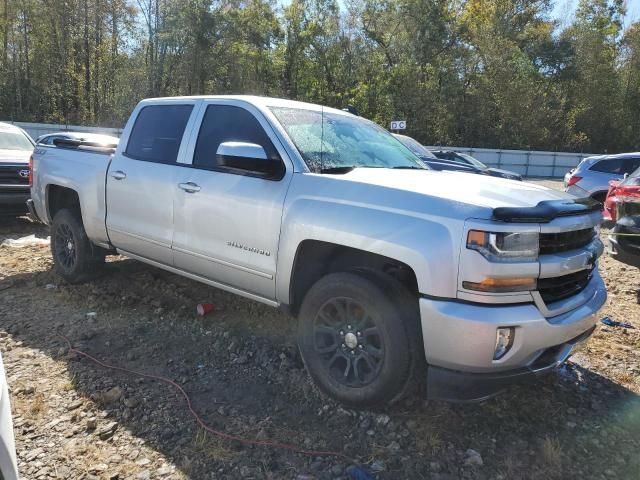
point(76, 420)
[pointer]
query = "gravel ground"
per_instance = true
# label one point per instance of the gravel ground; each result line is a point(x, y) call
point(76, 420)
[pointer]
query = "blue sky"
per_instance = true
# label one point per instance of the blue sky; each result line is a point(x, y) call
point(564, 9)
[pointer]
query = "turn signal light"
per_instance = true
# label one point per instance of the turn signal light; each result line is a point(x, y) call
point(501, 285)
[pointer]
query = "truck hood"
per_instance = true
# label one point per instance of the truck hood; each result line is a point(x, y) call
point(15, 156)
point(476, 190)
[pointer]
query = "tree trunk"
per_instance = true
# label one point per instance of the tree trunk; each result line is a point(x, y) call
point(87, 60)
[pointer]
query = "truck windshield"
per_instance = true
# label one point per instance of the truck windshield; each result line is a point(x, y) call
point(14, 141)
point(329, 141)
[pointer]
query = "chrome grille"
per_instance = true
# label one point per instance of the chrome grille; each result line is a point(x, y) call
point(565, 241)
point(557, 288)
point(10, 175)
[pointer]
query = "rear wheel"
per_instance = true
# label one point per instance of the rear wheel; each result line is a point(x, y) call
point(354, 335)
point(600, 197)
point(75, 258)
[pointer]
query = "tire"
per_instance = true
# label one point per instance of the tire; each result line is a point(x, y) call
point(359, 324)
point(75, 258)
point(600, 197)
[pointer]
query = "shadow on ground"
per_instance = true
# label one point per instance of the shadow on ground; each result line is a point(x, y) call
point(243, 373)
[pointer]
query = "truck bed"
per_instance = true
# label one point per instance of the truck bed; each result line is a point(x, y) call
point(79, 168)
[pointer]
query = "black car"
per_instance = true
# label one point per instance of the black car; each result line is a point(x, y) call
point(429, 159)
point(474, 164)
point(624, 241)
point(15, 150)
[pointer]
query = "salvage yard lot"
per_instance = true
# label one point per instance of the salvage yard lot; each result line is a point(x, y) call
point(74, 419)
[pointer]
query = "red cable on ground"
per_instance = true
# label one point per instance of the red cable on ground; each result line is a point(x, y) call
point(225, 436)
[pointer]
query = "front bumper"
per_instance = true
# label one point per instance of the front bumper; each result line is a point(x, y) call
point(459, 341)
point(452, 385)
point(14, 202)
point(626, 249)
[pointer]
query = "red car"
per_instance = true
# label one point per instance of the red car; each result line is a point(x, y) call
point(629, 188)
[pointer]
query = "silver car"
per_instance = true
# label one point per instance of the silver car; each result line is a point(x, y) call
point(592, 176)
point(50, 138)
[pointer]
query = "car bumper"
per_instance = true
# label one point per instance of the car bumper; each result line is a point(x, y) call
point(577, 191)
point(456, 386)
point(459, 342)
point(14, 202)
point(625, 251)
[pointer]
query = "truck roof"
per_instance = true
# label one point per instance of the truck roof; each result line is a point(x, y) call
point(7, 127)
point(613, 156)
point(256, 100)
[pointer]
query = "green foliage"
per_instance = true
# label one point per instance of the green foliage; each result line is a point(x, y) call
point(494, 73)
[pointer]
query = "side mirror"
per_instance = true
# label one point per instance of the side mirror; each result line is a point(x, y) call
point(250, 159)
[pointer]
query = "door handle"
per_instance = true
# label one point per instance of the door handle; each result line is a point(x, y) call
point(189, 187)
point(118, 175)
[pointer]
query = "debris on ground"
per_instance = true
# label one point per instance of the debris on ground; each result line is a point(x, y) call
point(73, 418)
point(28, 241)
point(204, 308)
point(613, 323)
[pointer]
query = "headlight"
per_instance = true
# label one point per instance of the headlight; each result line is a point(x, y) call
point(505, 246)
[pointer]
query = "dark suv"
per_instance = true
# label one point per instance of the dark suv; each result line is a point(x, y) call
point(15, 150)
point(474, 164)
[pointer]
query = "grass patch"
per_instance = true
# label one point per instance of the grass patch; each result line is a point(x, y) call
point(551, 453)
point(211, 446)
point(71, 384)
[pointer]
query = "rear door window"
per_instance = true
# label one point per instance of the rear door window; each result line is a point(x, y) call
point(444, 156)
point(50, 140)
point(615, 166)
point(631, 164)
point(157, 133)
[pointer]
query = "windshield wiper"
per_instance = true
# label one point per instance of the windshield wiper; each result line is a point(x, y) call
point(407, 167)
point(338, 170)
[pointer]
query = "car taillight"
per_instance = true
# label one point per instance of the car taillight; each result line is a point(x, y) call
point(573, 179)
point(628, 191)
point(30, 178)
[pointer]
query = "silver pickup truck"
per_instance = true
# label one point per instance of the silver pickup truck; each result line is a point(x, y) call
point(399, 276)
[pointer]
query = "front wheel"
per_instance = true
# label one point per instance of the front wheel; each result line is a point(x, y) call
point(354, 338)
point(75, 258)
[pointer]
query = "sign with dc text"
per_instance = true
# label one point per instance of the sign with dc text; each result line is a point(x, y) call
point(399, 125)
